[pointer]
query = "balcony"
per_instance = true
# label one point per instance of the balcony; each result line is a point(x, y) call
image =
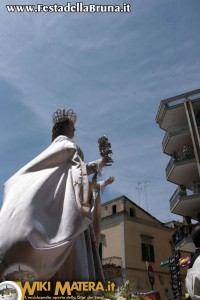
point(182, 238)
point(172, 112)
point(183, 204)
point(175, 138)
point(112, 267)
point(182, 168)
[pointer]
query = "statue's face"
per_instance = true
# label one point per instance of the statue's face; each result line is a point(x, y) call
point(70, 130)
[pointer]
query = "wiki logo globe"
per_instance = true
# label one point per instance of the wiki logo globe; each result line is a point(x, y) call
point(9, 290)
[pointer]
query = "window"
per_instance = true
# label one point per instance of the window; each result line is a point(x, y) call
point(196, 187)
point(106, 211)
point(147, 252)
point(132, 212)
point(100, 250)
point(114, 209)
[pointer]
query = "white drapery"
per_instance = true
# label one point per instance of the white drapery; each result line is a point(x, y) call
point(192, 280)
point(43, 222)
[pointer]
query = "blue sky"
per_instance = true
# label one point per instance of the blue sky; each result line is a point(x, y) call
point(113, 70)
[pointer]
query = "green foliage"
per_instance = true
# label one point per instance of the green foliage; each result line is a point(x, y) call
point(126, 291)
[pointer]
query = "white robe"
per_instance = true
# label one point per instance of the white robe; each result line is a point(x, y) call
point(43, 222)
point(192, 280)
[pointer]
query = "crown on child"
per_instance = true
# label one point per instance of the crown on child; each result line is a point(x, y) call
point(62, 115)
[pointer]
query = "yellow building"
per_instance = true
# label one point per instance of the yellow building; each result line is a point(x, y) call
point(130, 237)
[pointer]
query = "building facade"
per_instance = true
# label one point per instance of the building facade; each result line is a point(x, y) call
point(131, 237)
point(179, 117)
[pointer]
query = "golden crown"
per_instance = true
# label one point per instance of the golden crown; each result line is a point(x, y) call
point(62, 115)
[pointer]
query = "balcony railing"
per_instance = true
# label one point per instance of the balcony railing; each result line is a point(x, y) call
point(179, 192)
point(111, 262)
point(185, 154)
point(182, 232)
point(112, 267)
point(173, 130)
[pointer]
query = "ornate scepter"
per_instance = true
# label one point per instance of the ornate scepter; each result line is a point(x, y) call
point(105, 152)
point(105, 149)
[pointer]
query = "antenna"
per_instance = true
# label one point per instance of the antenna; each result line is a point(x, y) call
point(139, 188)
point(142, 185)
point(145, 185)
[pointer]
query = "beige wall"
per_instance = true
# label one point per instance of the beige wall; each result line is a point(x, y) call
point(122, 205)
point(112, 241)
point(106, 210)
point(123, 236)
point(134, 233)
